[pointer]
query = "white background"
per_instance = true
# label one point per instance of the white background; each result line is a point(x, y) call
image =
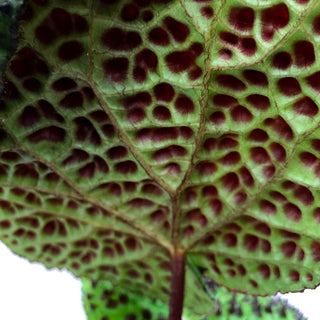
point(30, 292)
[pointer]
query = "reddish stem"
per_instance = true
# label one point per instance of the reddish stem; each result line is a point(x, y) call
point(177, 286)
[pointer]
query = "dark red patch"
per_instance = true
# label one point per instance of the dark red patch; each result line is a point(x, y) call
point(72, 100)
point(289, 86)
point(197, 216)
point(207, 12)
point(259, 155)
point(184, 105)
point(147, 16)
point(258, 101)
point(316, 25)
point(26, 63)
point(29, 117)
point(225, 54)
point(5, 224)
point(141, 99)
point(140, 203)
point(88, 170)
point(118, 152)
point(251, 242)
point(230, 82)
point(45, 34)
point(230, 181)
point(177, 29)
point(61, 21)
point(195, 73)
point(265, 271)
point(230, 159)
point(152, 189)
point(76, 157)
point(210, 144)
point(49, 228)
point(80, 24)
point(70, 50)
point(248, 46)
point(289, 235)
point(227, 143)
point(179, 61)
point(217, 118)
point(126, 167)
point(230, 240)
point(304, 195)
point(164, 92)
point(258, 135)
point(282, 60)
point(159, 36)
point(256, 78)
point(306, 106)
point(169, 152)
point(86, 130)
point(294, 276)
point(308, 158)
point(242, 18)
point(274, 18)
point(206, 168)
point(161, 113)
point(279, 197)
point(314, 81)
point(315, 249)
point(50, 134)
point(278, 151)
point(315, 143)
point(229, 38)
point(240, 197)
point(223, 100)
point(32, 84)
point(147, 59)
point(241, 114)
point(139, 74)
point(209, 192)
point(120, 40)
point(129, 12)
point(268, 207)
point(64, 84)
point(246, 177)
point(303, 54)
point(292, 212)
point(116, 69)
point(136, 115)
point(263, 228)
point(280, 127)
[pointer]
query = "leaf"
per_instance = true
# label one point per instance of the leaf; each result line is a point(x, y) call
point(102, 301)
point(136, 136)
point(8, 27)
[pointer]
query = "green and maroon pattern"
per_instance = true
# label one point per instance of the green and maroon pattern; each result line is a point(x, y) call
point(104, 301)
point(133, 132)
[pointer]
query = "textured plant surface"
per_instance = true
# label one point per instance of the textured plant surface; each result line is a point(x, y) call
point(8, 13)
point(138, 135)
point(103, 301)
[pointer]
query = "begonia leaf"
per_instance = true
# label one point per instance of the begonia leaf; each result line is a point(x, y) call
point(152, 143)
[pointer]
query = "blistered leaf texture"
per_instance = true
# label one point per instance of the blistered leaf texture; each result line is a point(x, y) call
point(9, 10)
point(132, 129)
point(102, 301)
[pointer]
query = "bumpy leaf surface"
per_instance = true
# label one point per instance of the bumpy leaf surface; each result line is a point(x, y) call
point(8, 16)
point(104, 301)
point(132, 129)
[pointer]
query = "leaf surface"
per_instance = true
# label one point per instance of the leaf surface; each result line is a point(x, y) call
point(130, 130)
point(103, 301)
